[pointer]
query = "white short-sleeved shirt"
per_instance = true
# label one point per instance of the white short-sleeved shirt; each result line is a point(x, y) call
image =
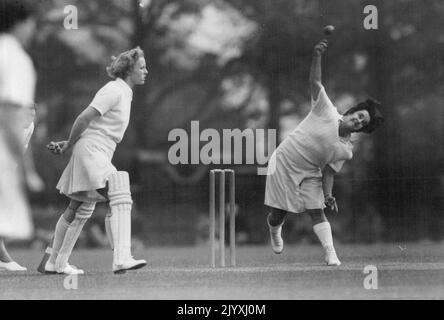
point(17, 73)
point(317, 138)
point(113, 101)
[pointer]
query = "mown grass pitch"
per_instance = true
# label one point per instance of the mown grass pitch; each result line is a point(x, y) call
point(405, 271)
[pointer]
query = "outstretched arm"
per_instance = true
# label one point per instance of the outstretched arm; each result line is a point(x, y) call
point(315, 70)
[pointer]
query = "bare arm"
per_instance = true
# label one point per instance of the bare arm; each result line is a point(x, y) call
point(80, 125)
point(315, 70)
point(328, 175)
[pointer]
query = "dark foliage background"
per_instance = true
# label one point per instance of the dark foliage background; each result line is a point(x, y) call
point(245, 64)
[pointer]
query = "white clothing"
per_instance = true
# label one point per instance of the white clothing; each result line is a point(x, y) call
point(294, 182)
point(113, 101)
point(17, 85)
point(15, 220)
point(88, 169)
point(17, 73)
point(90, 165)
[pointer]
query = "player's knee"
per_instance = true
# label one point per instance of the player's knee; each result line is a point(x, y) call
point(70, 211)
point(119, 188)
point(85, 211)
point(279, 213)
point(317, 216)
point(276, 216)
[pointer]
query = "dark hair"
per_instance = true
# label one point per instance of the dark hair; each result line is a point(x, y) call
point(13, 12)
point(124, 63)
point(376, 118)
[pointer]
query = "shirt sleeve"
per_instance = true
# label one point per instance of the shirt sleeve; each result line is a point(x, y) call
point(14, 87)
point(105, 99)
point(322, 102)
point(337, 166)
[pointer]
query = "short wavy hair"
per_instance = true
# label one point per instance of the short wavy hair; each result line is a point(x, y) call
point(123, 64)
point(376, 118)
point(15, 11)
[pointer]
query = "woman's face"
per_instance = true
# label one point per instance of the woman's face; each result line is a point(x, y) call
point(356, 121)
point(139, 72)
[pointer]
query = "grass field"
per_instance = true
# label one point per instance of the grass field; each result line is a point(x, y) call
point(407, 271)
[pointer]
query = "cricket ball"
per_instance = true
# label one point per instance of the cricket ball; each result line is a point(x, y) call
point(328, 30)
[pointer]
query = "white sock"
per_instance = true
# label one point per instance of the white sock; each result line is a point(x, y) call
point(323, 231)
point(71, 236)
point(59, 234)
point(275, 229)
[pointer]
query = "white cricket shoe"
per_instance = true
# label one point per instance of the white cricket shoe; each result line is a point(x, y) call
point(68, 269)
point(11, 266)
point(277, 243)
point(330, 257)
point(130, 264)
point(71, 270)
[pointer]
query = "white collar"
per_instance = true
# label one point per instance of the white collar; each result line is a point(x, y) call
point(347, 138)
point(125, 85)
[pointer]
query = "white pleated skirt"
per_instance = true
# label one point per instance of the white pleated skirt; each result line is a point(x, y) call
point(292, 187)
point(88, 169)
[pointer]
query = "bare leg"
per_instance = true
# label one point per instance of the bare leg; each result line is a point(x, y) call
point(276, 216)
point(6, 262)
point(4, 255)
point(70, 212)
point(104, 191)
point(317, 216)
point(275, 220)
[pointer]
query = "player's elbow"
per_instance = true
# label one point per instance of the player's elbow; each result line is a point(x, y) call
point(83, 120)
point(315, 88)
point(88, 115)
point(315, 83)
point(328, 171)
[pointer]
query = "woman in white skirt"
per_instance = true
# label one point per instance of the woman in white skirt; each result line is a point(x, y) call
point(17, 87)
point(301, 170)
point(90, 177)
point(15, 219)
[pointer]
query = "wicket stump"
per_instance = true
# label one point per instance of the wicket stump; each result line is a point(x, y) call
point(212, 212)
